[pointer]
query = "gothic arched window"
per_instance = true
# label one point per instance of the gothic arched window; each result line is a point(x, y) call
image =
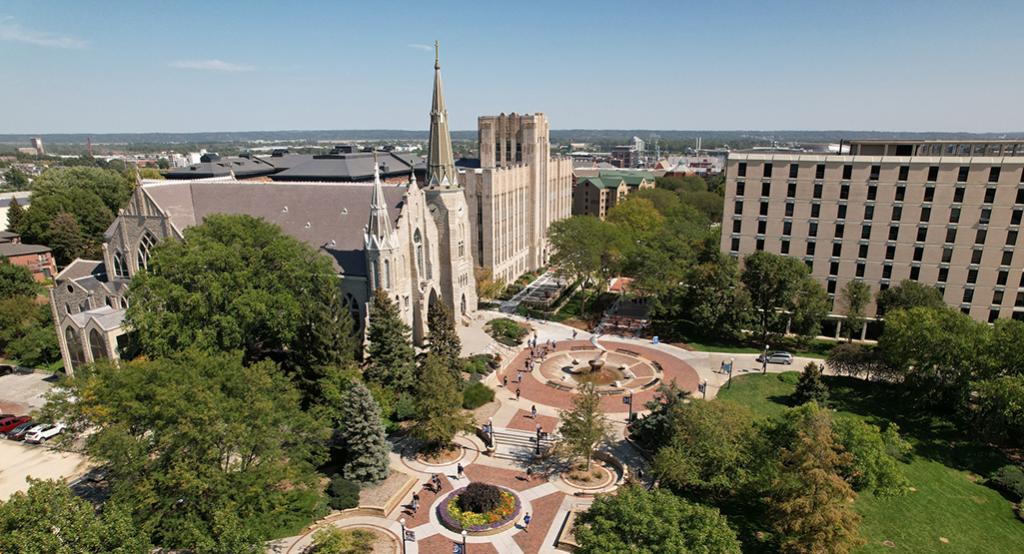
point(375, 274)
point(97, 345)
point(74, 346)
point(387, 274)
point(120, 265)
point(146, 244)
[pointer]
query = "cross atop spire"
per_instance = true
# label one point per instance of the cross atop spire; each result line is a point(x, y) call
point(440, 161)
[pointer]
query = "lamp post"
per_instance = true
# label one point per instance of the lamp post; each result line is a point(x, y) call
point(629, 401)
point(464, 533)
point(731, 367)
point(490, 430)
point(704, 390)
point(764, 362)
point(402, 523)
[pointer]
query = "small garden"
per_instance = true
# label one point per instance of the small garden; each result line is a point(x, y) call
point(479, 508)
point(507, 331)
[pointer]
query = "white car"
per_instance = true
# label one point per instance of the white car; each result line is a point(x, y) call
point(43, 432)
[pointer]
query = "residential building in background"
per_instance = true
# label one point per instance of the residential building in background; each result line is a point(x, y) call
point(597, 191)
point(515, 192)
point(36, 257)
point(944, 213)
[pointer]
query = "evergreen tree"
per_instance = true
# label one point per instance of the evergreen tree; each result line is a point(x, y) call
point(65, 238)
point(366, 447)
point(438, 414)
point(585, 427)
point(15, 213)
point(392, 360)
point(444, 341)
point(810, 387)
point(809, 501)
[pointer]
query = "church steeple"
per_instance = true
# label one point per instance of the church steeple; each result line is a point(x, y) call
point(440, 161)
point(379, 234)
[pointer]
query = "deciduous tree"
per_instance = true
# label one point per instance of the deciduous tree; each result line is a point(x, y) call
point(239, 283)
point(584, 427)
point(639, 521)
point(909, 294)
point(17, 280)
point(49, 519)
point(774, 283)
point(438, 415)
point(855, 296)
point(202, 449)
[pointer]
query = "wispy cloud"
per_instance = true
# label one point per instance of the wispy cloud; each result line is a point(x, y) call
point(211, 65)
point(12, 31)
point(424, 47)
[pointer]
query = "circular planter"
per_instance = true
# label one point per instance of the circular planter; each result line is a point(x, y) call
point(609, 478)
point(461, 455)
point(450, 523)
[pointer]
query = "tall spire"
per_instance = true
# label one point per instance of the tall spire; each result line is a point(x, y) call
point(440, 161)
point(378, 229)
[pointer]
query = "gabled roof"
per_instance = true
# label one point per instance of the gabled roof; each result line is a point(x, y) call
point(345, 167)
point(106, 317)
point(8, 249)
point(328, 217)
point(632, 178)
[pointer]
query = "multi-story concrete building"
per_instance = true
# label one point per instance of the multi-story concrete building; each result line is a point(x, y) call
point(596, 194)
point(515, 194)
point(944, 213)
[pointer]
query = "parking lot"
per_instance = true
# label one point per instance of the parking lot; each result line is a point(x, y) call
point(20, 394)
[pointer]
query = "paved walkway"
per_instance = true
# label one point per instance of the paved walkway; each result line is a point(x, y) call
point(546, 497)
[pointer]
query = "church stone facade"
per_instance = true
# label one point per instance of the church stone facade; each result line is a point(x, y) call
point(413, 242)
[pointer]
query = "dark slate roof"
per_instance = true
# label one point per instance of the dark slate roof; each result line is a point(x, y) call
point(242, 167)
point(468, 163)
point(328, 217)
point(8, 236)
point(82, 268)
point(9, 249)
point(345, 167)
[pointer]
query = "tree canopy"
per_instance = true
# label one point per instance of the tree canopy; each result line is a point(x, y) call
point(201, 449)
point(71, 208)
point(391, 360)
point(584, 426)
point(780, 284)
point(49, 519)
point(639, 521)
point(438, 412)
point(909, 294)
point(239, 283)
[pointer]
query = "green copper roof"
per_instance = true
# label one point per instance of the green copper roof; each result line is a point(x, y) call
point(632, 178)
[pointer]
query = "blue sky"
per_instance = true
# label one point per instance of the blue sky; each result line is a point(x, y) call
point(894, 65)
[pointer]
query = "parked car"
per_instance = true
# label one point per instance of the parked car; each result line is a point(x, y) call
point(9, 423)
point(779, 357)
point(19, 432)
point(48, 431)
point(6, 369)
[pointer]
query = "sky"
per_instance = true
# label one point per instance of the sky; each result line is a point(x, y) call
point(183, 66)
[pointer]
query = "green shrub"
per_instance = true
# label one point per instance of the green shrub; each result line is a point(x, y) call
point(475, 395)
point(480, 364)
point(1010, 480)
point(479, 498)
point(506, 331)
point(343, 541)
point(344, 493)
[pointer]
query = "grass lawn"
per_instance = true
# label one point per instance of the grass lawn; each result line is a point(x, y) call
point(946, 470)
point(817, 348)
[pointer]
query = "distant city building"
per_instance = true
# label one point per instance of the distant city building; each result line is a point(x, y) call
point(596, 194)
point(625, 157)
point(944, 213)
point(37, 258)
point(37, 144)
point(412, 242)
point(517, 191)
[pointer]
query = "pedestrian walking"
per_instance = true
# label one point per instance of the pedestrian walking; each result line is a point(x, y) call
point(415, 502)
point(518, 392)
point(459, 470)
point(435, 479)
point(574, 334)
point(504, 381)
point(519, 378)
point(529, 474)
point(526, 521)
point(539, 432)
point(533, 411)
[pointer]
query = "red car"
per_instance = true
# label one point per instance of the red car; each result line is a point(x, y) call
point(9, 423)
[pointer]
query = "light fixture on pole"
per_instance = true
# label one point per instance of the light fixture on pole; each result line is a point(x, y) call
point(402, 523)
point(731, 362)
point(464, 533)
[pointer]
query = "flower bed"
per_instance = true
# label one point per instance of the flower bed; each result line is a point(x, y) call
point(487, 523)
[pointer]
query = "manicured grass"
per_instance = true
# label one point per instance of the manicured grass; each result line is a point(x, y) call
point(816, 348)
point(946, 469)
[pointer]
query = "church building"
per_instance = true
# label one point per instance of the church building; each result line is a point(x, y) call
point(412, 241)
